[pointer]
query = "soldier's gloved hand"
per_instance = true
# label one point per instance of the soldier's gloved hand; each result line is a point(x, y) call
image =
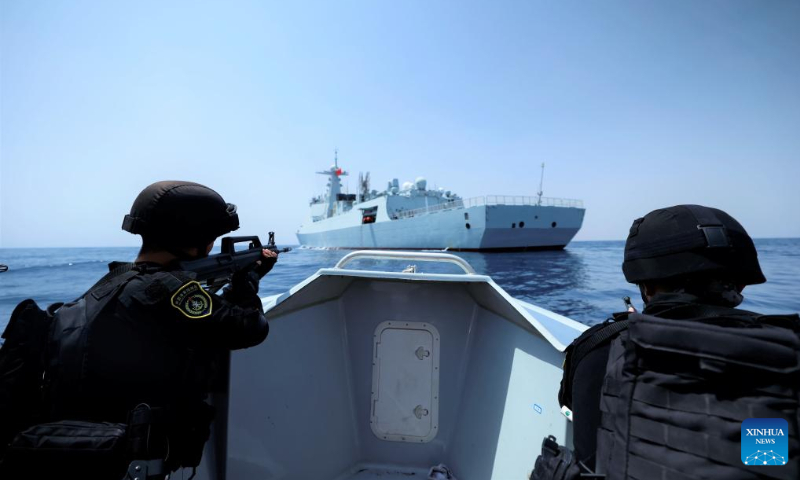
point(266, 263)
point(243, 289)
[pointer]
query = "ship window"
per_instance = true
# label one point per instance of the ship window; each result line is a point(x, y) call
point(553, 224)
point(513, 225)
point(368, 215)
point(467, 225)
point(521, 224)
point(466, 215)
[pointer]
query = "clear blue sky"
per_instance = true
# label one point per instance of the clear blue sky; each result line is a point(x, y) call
point(633, 106)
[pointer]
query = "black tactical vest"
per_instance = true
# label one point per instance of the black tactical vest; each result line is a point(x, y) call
point(677, 390)
point(112, 356)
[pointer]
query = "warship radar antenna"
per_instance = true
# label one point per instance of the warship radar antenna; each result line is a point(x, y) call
point(540, 192)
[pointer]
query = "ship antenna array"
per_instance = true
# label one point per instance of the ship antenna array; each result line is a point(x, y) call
point(541, 181)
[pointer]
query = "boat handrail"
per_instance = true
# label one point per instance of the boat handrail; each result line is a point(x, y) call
point(419, 256)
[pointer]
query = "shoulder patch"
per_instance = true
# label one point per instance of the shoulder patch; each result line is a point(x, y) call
point(192, 301)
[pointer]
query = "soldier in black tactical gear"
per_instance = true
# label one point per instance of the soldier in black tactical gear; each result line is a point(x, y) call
point(662, 393)
point(143, 347)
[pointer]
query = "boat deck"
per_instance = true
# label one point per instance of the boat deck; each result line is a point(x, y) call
point(377, 472)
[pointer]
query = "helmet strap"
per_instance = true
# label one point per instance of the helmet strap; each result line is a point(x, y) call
point(641, 291)
point(717, 292)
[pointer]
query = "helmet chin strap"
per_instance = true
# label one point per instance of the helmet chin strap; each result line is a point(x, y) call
point(723, 293)
point(641, 291)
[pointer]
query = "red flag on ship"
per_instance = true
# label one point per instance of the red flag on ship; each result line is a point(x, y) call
point(338, 171)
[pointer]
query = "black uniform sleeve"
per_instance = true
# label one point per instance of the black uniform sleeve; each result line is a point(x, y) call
point(232, 321)
point(240, 326)
point(587, 387)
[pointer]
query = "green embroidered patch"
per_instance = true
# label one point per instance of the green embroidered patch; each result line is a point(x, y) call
point(192, 301)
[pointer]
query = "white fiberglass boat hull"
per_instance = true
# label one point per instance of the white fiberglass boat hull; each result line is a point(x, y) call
point(376, 375)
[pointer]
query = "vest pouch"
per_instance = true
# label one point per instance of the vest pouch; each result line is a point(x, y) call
point(176, 434)
point(194, 428)
point(68, 449)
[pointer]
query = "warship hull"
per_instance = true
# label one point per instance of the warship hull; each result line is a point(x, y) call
point(484, 227)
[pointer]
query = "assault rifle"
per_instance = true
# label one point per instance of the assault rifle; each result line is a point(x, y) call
point(215, 271)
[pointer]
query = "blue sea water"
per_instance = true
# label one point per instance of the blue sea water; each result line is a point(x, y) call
point(583, 282)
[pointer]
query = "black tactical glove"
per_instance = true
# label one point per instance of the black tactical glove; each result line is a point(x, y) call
point(266, 265)
point(243, 289)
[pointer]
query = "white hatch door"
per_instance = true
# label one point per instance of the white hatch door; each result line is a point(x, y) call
point(405, 382)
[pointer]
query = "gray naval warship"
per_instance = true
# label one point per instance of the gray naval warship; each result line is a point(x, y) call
point(413, 217)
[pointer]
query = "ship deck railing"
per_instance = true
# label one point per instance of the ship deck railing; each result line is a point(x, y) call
point(491, 200)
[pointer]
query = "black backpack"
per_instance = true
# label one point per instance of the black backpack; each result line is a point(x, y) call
point(22, 358)
point(39, 365)
point(676, 392)
point(31, 444)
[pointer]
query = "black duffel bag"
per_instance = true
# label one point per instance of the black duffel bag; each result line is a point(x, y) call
point(71, 449)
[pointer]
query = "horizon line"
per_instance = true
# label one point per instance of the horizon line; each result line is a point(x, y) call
point(352, 249)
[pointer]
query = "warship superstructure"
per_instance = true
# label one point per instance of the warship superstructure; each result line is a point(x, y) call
point(412, 216)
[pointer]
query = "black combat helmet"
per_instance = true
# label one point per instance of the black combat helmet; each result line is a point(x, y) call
point(180, 214)
point(674, 242)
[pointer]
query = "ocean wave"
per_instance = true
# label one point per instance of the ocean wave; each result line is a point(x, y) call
point(17, 268)
point(583, 282)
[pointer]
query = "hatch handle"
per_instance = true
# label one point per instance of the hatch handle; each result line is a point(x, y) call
point(418, 256)
point(420, 412)
point(421, 353)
